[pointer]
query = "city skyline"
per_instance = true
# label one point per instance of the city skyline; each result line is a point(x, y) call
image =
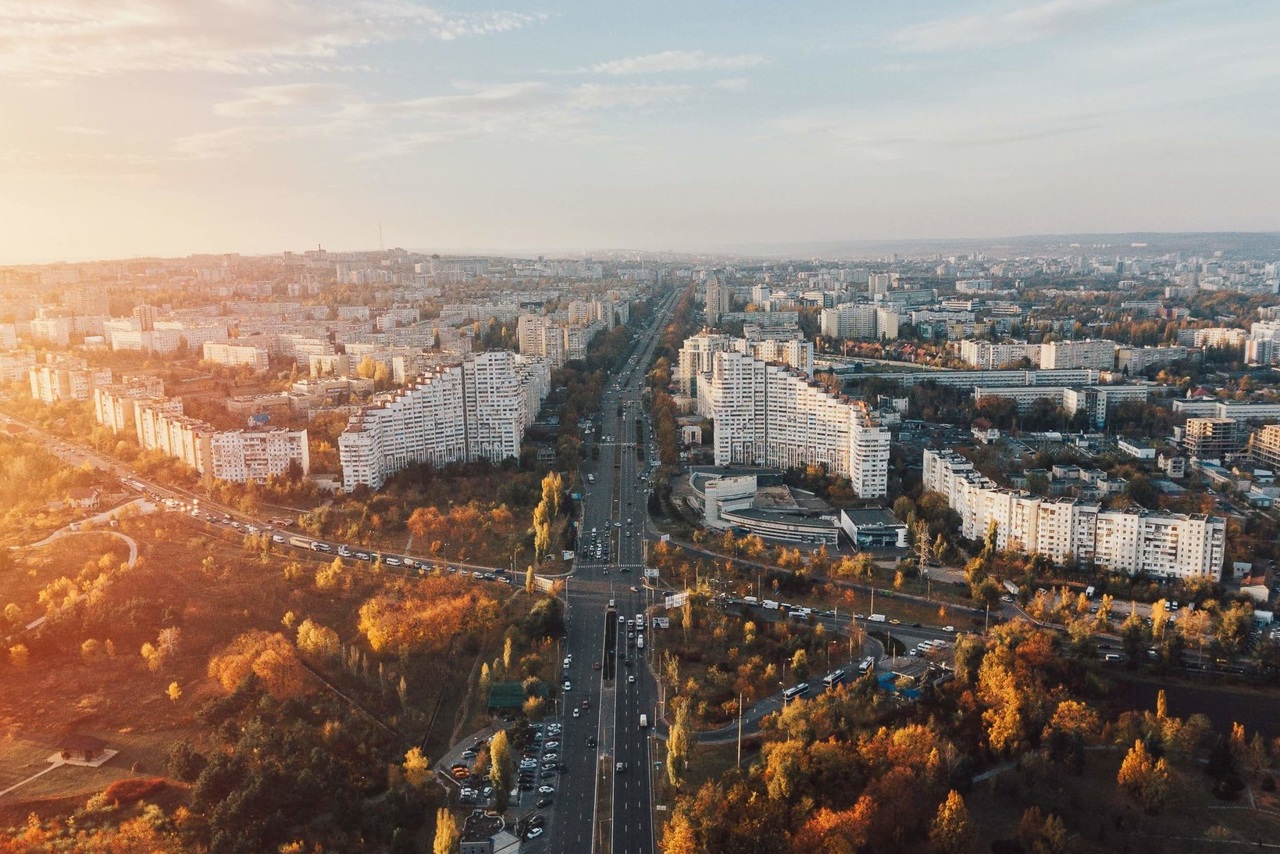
point(159, 129)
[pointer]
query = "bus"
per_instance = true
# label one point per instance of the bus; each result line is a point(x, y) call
point(866, 664)
point(791, 693)
point(833, 679)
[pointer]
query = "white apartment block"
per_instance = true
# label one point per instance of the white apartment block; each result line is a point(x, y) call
point(988, 355)
point(1096, 400)
point(1099, 355)
point(457, 413)
point(52, 383)
point(767, 414)
point(55, 330)
point(15, 366)
point(1137, 359)
point(1216, 336)
point(859, 320)
point(794, 353)
point(255, 455)
point(236, 355)
point(1165, 545)
point(695, 358)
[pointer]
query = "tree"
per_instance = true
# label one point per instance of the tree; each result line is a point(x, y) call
point(417, 770)
point(501, 769)
point(679, 837)
point(330, 577)
point(19, 655)
point(528, 581)
point(174, 692)
point(800, 665)
point(1136, 769)
point(679, 742)
point(320, 641)
point(447, 835)
point(270, 657)
point(953, 831)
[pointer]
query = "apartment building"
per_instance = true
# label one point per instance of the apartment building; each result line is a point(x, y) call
point(794, 353)
point(1137, 359)
point(860, 320)
point(1098, 355)
point(989, 355)
point(115, 406)
point(768, 414)
point(1097, 401)
point(236, 355)
point(255, 455)
point(1158, 544)
point(479, 408)
point(719, 300)
point(52, 383)
point(1214, 336)
point(695, 358)
point(16, 365)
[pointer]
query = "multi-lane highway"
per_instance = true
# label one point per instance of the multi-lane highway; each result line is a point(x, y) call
point(598, 802)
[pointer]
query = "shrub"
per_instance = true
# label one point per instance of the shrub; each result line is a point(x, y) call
point(133, 790)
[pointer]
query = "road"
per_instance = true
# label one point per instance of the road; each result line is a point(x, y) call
point(595, 800)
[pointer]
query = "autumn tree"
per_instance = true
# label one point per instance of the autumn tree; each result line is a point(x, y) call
point(270, 657)
point(800, 665)
point(447, 837)
point(501, 769)
point(318, 640)
point(953, 831)
point(174, 692)
point(416, 768)
point(679, 742)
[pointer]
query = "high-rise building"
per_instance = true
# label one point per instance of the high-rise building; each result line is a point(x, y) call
point(768, 414)
point(1264, 446)
point(1211, 438)
point(255, 455)
point(719, 299)
point(479, 408)
point(989, 355)
point(859, 320)
point(695, 358)
point(52, 383)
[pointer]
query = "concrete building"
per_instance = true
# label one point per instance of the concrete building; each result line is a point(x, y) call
point(719, 300)
point(1097, 355)
point(1097, 401)
point(767, 414)
point(990, 356)
point(1211, 438)
point(1264, 446)
point(695, 358)
point(16, 365)
point(52, 383)
point(479, 408)
point(860, 320)
point(1137, 359)
point(255, 455)
point(236, 355)
point(1164, 545)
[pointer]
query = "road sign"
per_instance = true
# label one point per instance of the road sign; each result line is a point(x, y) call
point(661, 623)
point(676, 600)
point(651, 573)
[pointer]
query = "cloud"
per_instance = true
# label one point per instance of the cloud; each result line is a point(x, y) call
point(67, 38)
point(679, 60)
point(261, 100)
point(1018, 23)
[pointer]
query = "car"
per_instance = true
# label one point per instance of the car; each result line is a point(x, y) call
point(622, 766)
point(533, 833)
point(949, 628)
point(546, 790)
point(577, 713)
point(551, 745)
point(538, 821)
point(1006, 598)
point(543, 803)
point(550, 757)
point(469, 753)
point(895, 622)
point(586, 704)
point(547, 774)
point(595, 666)
point(591, 741)
point(631, 679)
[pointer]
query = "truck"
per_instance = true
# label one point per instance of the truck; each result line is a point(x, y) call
point(751, 600)
point(644, 721)
point(770, 605)
point(300, 542)
point(876, 618)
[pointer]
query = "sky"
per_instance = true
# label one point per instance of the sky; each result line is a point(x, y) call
point(168, 127)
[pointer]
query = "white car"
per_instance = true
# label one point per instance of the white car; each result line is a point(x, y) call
point(567, 685)
point(550, 757)
point(546, 790)
point(631, 678)
point(551, 745)
point(533, 833)
point(577, 713)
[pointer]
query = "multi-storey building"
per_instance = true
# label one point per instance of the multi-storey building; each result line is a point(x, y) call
point(236, 355)
point(1214, 336)
point(1211, 438)
point(1099, 355)
point(115, 406)
point(989, 355)
point(1137, 359)
point(795, 353)
point(479, 408)
point(1165, 545)
point(768, 414)
point(695, 358)
point(719, 299)
point(1095, 400)
point(255, 455)
point(859, 320)
point(51, 383)
point(1264, 446)
point(15, 366)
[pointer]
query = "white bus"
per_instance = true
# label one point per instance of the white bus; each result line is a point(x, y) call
point(791, 693)
point(833, 679)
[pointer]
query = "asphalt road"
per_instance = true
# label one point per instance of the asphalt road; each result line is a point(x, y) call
point(615, 703)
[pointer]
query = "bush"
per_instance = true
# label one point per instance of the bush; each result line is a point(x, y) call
point(130, 791)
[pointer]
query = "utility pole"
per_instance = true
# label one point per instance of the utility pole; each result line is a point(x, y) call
point(739, 730)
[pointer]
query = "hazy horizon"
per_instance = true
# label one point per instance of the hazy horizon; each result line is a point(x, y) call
point(162, 129)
